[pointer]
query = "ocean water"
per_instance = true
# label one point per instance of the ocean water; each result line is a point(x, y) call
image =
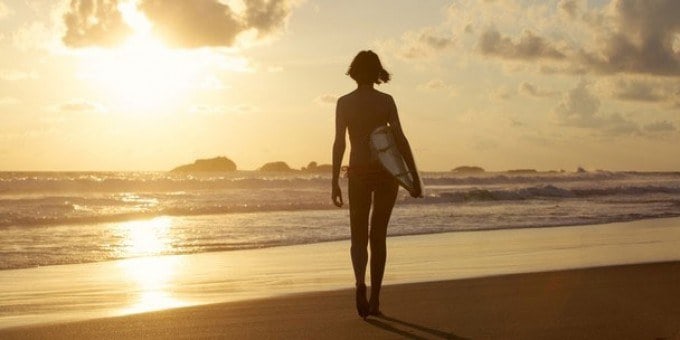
point(61, 218)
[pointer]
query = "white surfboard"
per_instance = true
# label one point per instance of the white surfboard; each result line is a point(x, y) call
point(383, 144)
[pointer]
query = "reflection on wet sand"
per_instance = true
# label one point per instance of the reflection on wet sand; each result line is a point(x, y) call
point(152, 275)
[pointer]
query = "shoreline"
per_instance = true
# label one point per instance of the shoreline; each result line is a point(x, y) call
point(64, 293)
point(147, 218)
point(625, 301)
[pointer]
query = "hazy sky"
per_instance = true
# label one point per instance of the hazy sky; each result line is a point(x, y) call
point(150, 84)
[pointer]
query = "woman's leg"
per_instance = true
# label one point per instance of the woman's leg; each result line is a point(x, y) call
point(359, 206)
point(383, 201)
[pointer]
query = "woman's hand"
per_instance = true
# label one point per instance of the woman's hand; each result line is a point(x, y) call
point(417, 191)
point(336, 196)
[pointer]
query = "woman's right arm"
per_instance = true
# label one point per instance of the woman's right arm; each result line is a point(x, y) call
point(338, 153)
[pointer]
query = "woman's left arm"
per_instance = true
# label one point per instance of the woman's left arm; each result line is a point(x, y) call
point(404, 147)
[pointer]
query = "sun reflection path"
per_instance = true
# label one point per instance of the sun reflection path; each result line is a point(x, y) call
point(146, 237)
point(151, 276)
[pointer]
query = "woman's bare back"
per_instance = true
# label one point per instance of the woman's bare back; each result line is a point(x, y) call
point(363, 110)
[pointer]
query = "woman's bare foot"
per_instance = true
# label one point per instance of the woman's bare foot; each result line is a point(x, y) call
point(374, 307)
point(362, 303)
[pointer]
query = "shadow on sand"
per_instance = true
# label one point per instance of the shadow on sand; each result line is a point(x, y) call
point(389, 324)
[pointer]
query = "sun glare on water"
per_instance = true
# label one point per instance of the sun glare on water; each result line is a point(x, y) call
point(141, 74)
point(151, 277)
point(146, 237)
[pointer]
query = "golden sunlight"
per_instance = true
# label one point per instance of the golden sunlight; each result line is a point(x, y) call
point(142, 74)
point(147, 237)
point(152, 276)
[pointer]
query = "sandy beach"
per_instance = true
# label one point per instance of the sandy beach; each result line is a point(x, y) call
point(619, 302)
point(521, 283)
point(236, 169)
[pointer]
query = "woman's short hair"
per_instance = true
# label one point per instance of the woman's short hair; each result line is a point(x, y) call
point(367, 69)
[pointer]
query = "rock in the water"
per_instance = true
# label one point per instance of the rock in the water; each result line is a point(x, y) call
point(314, 167)
point(466, 169)
point(276, 167)
point(217, 164)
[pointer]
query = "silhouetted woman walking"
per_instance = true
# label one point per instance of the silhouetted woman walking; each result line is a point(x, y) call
point(360, 112)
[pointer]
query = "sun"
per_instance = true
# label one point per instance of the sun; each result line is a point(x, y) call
point(142, 74)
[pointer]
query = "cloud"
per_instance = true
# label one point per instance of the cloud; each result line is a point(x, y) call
point(642, 40)
point(326, 99)
point(192, 24)
point(437, 85)
point(434, 84)
point(81, 106)
point(660, 126)
point(570, 8)
point(267, 16)
point(14, 75)
point(580, 108)
point(642, 89)
point(616, 124)
point(94, 23)
point(566, 69)
point(502, 93)
point(528, 47)
point(423, 44)
point(633, 90)
point(179, 23)
point(578, 37)
point(533, 91)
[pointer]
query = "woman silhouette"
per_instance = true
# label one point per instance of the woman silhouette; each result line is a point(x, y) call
point(360, 112)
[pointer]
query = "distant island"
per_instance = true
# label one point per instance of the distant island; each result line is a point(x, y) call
point(224, 164)
point(314, 167)
point(466, 169)
point(217, 164)
point(279, 166)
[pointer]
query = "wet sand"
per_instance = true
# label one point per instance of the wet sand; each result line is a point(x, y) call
point(481, 289)
point(632, 302)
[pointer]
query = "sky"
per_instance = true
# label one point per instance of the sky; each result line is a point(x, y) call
point(501, 84)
